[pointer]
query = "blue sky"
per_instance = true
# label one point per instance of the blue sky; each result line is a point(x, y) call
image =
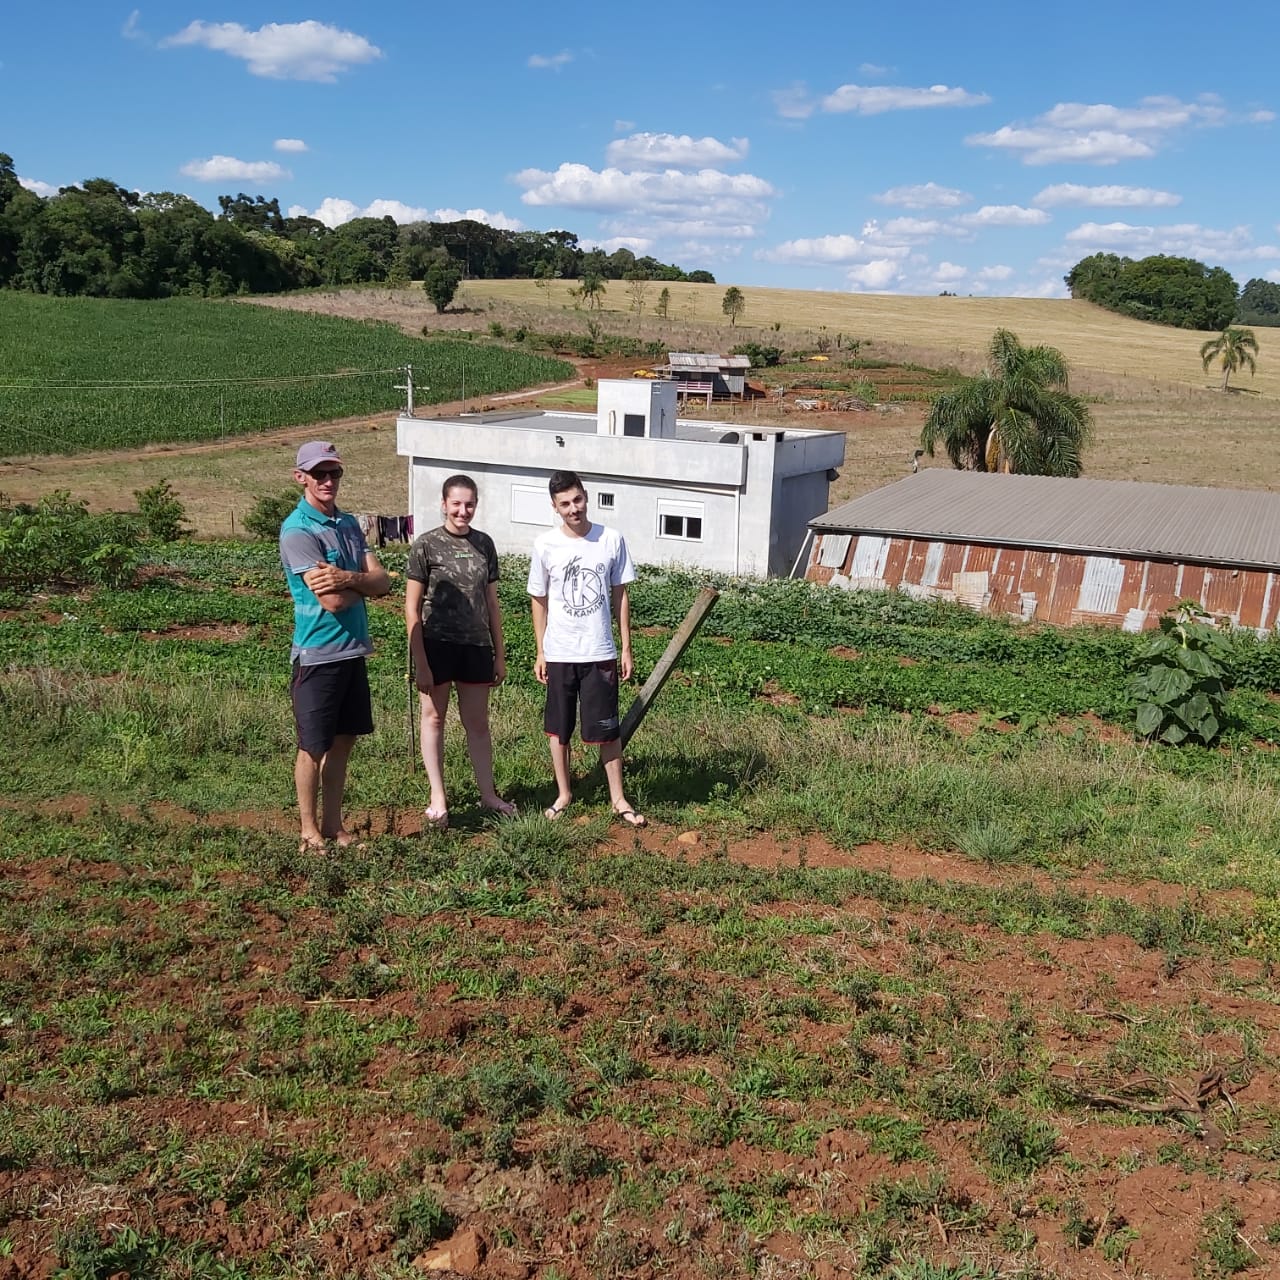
point(980, 148)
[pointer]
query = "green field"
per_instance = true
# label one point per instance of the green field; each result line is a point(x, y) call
point(84, 373)
point(925, 969)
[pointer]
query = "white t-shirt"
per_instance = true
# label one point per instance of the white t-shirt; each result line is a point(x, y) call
point(576, 575)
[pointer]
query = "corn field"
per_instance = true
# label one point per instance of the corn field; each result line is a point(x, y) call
point(85, 373)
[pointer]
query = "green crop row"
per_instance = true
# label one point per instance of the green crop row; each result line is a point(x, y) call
point(88, 373)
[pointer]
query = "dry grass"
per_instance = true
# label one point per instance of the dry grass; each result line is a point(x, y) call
point(1156, 420)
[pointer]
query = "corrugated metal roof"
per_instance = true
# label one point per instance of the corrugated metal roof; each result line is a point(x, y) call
point(1110, 517)
point(705, 360)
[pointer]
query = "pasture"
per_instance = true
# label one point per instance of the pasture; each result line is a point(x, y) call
point(925, 969)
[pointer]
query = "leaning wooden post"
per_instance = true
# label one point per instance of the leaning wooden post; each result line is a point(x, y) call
point(666, 664)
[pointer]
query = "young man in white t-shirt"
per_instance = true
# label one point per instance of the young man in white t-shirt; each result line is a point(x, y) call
point(578, 577)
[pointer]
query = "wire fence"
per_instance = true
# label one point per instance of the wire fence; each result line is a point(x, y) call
point(70, 417)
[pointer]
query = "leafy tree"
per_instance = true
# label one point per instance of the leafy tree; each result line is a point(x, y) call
point(162, 512)
point(269, 511)
point(663, 305)
point(1234, 348)
point(701, 277)
point(733, 304)
point(441, 281)
point(1017, 416)
point(1167, 290)
point(253, 213)
point(1259, 303)
point(591, 290)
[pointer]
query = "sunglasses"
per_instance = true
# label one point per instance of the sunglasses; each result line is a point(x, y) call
point(329, 473)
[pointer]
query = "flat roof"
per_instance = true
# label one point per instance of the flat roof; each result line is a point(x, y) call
point(561, 422)
point(1103, 517)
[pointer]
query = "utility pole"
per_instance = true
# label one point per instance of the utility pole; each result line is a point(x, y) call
point(407, 387)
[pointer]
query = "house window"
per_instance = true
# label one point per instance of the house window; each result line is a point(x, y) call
point(680, 520)
point(604, 501)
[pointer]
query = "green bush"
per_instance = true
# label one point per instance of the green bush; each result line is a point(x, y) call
point(162, 512)
point(1178, 685)
point(269, 512)
point(57, 543)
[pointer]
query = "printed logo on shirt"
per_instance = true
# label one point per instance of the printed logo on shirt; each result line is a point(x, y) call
point(583, 592)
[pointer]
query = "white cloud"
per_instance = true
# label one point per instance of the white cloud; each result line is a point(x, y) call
point(691, 227)
point(499, 220)
point(333, 211)
point(229, 169)
point(663, 150)
point(998, 272)
point(826, 250)
point(1261, 117)
point(670, 197)
point(927, 195)
point(949, 273)
point(1106, 197)
point(282, 50)
point(290, 144)
point(637, 244)
point(550, 61)
point(793, 103)
point(1004, 215)
point(907, 229)
point(623, 126)
point(1189, 240)
point(1100, 133)
point(874, 277)
point(38, 187)
point(1053, 146)
point(870, 69)
point(870, 100)
point(131, 30)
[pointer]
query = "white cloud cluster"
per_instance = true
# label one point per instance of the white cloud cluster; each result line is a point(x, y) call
point(282, 50)
point(39, 188)
point(925, 195)
point(672, 198)
point(550, 61)
point(1187, 240)
point(229, 169)
point(669, 150)
point(637, 244)
point(1100, 133)
point(795, 102)
point(1003, 215)
point(1105, 197)
point(290, 144)
point(871, 100)
point(333, 211)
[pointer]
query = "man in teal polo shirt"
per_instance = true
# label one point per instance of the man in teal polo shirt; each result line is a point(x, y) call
point(330, 571)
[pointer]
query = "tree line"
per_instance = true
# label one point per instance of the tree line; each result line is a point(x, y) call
point(1180, 292)
point(99, 239)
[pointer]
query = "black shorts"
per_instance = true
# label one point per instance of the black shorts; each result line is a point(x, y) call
point(329, 700)
point(592, 686)
point(459, 663)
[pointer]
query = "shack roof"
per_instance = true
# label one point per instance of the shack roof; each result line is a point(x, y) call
point(1102, 517)
point(704, 360)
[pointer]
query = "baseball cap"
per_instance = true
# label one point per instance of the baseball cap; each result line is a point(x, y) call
point(314, 452)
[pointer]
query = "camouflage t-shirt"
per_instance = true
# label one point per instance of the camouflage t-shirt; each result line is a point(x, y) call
point(455, 570)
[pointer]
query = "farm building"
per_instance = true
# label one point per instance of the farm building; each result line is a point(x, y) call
point(703, 374)
point(1064, 551)
point(711, 495)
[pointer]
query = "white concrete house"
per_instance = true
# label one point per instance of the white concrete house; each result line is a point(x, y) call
point(733, 497)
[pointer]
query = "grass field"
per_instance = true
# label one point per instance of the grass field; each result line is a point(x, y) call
point(85, 373)
point(925, 969)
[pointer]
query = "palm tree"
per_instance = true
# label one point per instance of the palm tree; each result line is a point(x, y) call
point(1236, 349)
point(1017, 416)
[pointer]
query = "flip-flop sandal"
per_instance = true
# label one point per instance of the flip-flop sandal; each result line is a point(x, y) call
point(437, 818)
point(631, 817)
point(553, 813)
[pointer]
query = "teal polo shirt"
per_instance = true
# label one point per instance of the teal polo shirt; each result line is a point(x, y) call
point(308, 537)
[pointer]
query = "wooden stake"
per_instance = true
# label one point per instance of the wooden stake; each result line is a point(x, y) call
point(684, 635)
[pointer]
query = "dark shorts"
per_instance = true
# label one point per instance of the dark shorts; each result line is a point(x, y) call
point(329, 700)
point(459, 663)
point(591, 686)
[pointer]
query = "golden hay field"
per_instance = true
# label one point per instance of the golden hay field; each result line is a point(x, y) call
point(1158, 416)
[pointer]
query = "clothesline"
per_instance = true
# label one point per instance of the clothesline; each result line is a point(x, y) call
point(379, 530)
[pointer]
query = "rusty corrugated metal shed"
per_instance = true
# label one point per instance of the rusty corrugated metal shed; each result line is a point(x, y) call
point(1109, 517)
